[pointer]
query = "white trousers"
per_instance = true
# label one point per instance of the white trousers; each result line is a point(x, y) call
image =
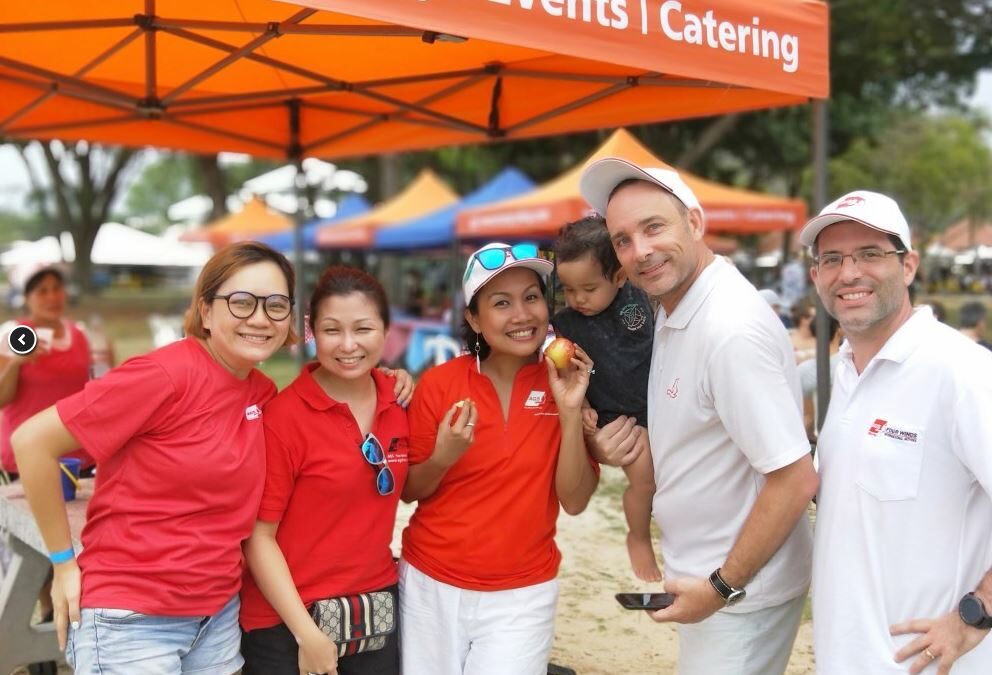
point(446, 630)
point(754, 643)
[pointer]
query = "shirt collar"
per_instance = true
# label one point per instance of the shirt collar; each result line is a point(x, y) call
point(694, 297)
point(307, 388)
point(900, 344)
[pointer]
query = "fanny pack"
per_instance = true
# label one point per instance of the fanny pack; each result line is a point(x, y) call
point(356, 623)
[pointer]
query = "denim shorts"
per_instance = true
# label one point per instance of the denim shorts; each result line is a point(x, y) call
point(122, 642)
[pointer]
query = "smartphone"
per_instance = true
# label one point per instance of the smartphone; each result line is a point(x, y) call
point(645, 600)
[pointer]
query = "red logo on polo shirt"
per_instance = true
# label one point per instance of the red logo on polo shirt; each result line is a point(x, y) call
point(876, 426)
point(252, 412)
point(853, 200)
point(535, 399)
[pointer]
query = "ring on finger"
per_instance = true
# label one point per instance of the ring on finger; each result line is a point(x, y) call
point(929, 654)
point(469, 424)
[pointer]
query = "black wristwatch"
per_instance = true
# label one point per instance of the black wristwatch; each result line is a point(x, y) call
point(730, 595)
point(972, 611)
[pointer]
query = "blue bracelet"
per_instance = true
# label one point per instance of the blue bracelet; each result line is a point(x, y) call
point(62, 556)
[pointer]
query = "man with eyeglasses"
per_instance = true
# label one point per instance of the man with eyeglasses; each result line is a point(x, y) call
point(732, 468)
point(903, 546)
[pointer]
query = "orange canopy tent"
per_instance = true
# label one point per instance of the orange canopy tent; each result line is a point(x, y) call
point(542, 212)
point(362, 77)
point(426, 193)
point(255, 219)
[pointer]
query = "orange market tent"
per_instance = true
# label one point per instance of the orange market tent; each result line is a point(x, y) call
point(254, 220)
point(273, 79)
point(426, 193)
point(539, 214)
point(965, 234)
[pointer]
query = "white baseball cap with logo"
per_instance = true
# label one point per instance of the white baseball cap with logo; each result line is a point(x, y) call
point(481, 267)
point(871, 209)
point(601, 178)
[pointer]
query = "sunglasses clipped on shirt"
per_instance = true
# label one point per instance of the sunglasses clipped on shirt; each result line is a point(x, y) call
point(494, 258)
point(373, 453)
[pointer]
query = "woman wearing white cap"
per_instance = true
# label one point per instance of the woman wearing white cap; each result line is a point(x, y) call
point(478, 585)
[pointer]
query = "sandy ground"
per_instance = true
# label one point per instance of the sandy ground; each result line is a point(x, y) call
point(595, 636)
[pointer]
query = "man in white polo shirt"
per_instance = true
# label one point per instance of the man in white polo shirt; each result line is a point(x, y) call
point(731, 458)
point(903, 550)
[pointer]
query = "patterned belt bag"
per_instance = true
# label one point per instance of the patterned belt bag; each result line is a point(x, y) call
point(356, 623)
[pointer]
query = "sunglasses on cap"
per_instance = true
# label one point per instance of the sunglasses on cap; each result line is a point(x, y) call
point(373, 453)
point(494, 258)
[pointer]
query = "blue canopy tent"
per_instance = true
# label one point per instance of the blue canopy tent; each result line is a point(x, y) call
point(437, 229)
point(351, 205)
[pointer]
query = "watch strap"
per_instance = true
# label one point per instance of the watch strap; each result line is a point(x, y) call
point(725, 590)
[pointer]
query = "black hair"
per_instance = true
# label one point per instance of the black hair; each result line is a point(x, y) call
point(471, 338)
point(587, 236)
point(341, 280)
point(35, 279)
point(833, 326)
point(971, 314)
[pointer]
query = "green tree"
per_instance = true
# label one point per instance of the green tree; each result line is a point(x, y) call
point(937, 167)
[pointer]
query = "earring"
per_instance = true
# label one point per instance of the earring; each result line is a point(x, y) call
point(478, 364)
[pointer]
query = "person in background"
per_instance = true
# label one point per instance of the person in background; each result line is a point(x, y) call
point(178, 441)
point(902, 562)
point(808, 376)
point(732, 467)
point(614, 323)
point(337, 444)
point(803, 335)
point(774, 301)
point(496, 448)
point(58, 366)
point(971, 322)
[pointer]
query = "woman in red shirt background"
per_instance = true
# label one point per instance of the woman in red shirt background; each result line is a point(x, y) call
point(336, 442)
point(478, 587)
point(55, 369)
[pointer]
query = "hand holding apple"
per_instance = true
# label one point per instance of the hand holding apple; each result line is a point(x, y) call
point(560, 351)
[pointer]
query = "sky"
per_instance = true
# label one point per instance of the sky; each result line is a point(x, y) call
point(14, 180)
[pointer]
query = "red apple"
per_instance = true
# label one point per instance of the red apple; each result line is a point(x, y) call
point(560, 351)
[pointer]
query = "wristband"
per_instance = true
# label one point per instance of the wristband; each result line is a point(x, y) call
point(62, 556)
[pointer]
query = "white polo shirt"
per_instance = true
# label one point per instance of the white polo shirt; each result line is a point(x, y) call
point(904, 517)
point(724, 408)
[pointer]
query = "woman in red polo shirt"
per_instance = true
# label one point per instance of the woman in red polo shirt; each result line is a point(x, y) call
point(178, 441)
point(337, 444)
point(57, 367)
point(478, 585)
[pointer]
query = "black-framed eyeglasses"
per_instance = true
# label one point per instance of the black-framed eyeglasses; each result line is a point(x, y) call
point(242, 304)
point(373, 453)
point(866, 257)
point(494, 258)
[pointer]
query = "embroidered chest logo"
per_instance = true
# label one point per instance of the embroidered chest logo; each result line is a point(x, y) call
point(252, 412)
point(535, 399)
point(673, 391)
point(632, 317)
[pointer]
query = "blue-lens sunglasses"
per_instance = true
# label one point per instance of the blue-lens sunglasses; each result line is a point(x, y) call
point(494, 258)
point(373, 453)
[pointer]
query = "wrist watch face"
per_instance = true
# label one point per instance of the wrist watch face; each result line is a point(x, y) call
point(736, 596)
point(972, 612)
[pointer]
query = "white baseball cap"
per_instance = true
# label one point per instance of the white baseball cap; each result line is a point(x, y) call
point(601, 178)
point(478, 272)
point(871, 209)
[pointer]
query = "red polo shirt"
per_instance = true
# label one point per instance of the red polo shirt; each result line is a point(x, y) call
point(180, 455)
point(491, 523)
point(334, 527)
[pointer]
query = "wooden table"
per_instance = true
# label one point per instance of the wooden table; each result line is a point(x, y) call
point(20, 642)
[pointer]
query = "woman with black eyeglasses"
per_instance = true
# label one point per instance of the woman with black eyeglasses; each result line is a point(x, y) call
point(179, 446)
point(336, 441)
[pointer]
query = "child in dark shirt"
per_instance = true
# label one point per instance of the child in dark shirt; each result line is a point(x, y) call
point(614, 323)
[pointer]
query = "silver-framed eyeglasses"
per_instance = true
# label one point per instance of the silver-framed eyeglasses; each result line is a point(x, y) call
point(865, 257)
point(242, 304)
